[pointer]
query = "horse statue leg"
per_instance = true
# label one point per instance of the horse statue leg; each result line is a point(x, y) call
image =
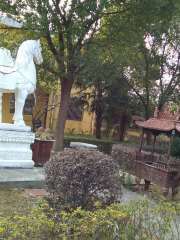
point(1, 107)
point(15, 112)
point(18, 116)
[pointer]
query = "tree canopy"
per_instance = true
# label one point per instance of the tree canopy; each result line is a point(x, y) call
point(145, 45)
point(68, 28)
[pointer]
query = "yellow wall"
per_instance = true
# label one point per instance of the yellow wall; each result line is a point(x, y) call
point(87, 123)
point(7, 116)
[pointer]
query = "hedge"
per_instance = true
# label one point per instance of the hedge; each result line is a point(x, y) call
point(103, 145)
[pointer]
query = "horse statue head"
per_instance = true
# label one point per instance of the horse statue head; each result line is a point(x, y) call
point(28, 51)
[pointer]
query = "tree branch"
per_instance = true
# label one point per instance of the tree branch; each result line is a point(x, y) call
point(51, 45)
point(52, 107)
point(137, 93)
point(117, 12)
point(78, 70)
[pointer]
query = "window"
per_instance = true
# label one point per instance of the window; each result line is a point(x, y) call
point(75, 110)
point(28, 106)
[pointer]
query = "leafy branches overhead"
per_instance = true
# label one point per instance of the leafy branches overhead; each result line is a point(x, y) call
point(145, 45)
point(67, 27)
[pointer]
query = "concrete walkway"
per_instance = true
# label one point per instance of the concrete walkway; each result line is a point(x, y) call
point(129, 196)
point(22, 178)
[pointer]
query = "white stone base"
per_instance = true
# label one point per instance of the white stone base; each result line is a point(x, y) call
point(12, 127)
point(16, 164)
point(15, 144)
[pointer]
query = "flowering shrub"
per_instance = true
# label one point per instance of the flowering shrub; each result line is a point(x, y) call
point(135, 221)
point(78, 177)
point(34, 226)
point(125, 222)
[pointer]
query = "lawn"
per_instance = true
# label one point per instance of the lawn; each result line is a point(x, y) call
point(16, 202)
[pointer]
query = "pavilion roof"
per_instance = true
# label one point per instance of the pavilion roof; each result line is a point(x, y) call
point(163, 121)
point(159, 124)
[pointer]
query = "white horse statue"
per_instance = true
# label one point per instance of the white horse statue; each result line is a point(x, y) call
point(19, 76)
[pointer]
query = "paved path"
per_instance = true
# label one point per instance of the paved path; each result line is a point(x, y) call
point(129, 196)
point(25, 178)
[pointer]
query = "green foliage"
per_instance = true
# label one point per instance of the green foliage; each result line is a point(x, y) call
point(125, 222)
point(34, 226)
point(71, 131)
point(121, 28)
point(127, 180)
point(175, 147)
point(64, 27)
point(142, 46)
point(109, 92)
point(135, 221)
point(79, 177)
point(83, 132)
point(103, 145)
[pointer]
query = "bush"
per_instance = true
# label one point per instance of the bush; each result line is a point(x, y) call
point(124, 156)
point(35, 226)
point(78, 177)
point(175, 147)
point(135, 221)
point(103, 145)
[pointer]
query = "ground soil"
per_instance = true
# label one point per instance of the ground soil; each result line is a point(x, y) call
point(155, 193)
point(16, 202)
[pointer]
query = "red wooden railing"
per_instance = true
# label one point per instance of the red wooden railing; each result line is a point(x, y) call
point(155, 161)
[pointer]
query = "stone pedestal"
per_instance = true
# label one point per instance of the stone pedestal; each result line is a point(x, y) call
point(83, 145)
point(15, 144)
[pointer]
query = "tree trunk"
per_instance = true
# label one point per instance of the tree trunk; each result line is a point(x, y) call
point(122, 125)
point(148, 138)
point(61, 121)
point(99, 113)
point(148, 134)
point(109, 128)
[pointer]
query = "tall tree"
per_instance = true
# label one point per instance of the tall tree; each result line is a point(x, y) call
point(67, 26)
point(101, 75)
point(147, 50)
